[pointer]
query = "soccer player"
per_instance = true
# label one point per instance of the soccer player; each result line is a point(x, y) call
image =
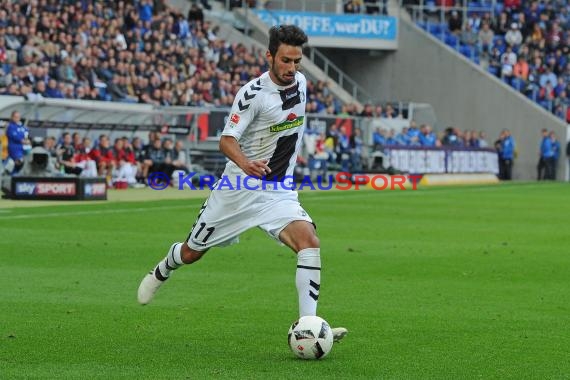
point(262, 139)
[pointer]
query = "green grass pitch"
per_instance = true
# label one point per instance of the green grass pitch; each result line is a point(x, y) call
point(442, 283)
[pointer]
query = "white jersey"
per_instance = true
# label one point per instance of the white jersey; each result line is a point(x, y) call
point(268, 122)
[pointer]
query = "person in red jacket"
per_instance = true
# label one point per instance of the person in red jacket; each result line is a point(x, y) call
point(83, 160)
point(103, 156)
point(125, 168)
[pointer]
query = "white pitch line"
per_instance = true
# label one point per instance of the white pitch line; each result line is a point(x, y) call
point(93, 212)
point(316, 197)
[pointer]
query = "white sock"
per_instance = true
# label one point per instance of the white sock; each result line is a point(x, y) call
point(308, 280)
point(172, 261)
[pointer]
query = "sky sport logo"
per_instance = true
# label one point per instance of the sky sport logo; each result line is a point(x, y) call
point(341, 181)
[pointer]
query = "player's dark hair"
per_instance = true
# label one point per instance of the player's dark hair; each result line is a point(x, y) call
point(285, 34)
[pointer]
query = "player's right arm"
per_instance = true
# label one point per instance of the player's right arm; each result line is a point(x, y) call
point(230, 147)
point(246, 105)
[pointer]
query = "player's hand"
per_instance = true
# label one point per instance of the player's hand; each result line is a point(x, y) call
point(257, 169)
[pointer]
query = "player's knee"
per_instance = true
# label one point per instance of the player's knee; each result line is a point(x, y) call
point(313, 241)
point(307, 241)
point(190, 255)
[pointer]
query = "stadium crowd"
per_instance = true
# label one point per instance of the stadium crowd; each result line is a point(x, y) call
point(147, 52)
point(134, 52)
point(525, 43)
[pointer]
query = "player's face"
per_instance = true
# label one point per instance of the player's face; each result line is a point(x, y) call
point(285, 64)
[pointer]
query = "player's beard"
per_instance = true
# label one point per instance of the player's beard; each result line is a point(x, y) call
point(282, 80)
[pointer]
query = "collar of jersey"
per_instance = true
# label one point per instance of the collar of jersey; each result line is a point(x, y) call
point(275, 85)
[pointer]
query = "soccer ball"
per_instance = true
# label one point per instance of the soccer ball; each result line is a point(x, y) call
point(310, 338)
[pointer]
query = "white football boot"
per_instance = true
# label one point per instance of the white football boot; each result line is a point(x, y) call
point(339, 333)
point(148, 287)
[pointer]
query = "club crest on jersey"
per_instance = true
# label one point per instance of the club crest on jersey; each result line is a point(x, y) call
point(288, 124)
point(234, 119)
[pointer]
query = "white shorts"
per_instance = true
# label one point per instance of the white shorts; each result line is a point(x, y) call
point(228, 213)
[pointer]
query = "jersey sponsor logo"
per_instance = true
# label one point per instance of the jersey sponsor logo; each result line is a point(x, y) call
point(291, 117)
point(287, 124)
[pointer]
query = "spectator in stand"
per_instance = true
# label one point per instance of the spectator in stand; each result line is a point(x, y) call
point(501, 26)
point(356, 150)
point(547, 77)
point(18, 140)
point(378, 139)
point(469, 36)
point(474, 21)
point(536, 35)
point(170, 156)
point(83, 159)
point(495, 61)
point(403, 138)
point(343, 149)
point(353, 6)
point(139, 152)
point(514, 36)
point(445, 3)
point(413, 130)
point(546, 95)
point(508, 61)
point(483, 140)
point(427, 138)
point(486, 36)
point(563, 102)
point(125, 163)
point(455, 23)
point(554, 37)
point(50, 145)
point(391, 137)
point(450, 137)
point(66, 156)
point(367, 111)
point(103, 156)
point(195, 15)
point(180, 158)
point(521, 68)
point(158, 159)
point(390, 112)
point(512, 5)
point(53, 90)
point(379, 111)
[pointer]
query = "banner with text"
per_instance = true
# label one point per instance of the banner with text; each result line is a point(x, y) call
point(332, 25)
point(442, 160)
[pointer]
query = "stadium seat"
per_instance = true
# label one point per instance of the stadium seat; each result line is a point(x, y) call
point(546, 104)
point(518, 84)
point(435, 29)
point(451, 40)
point(467, 51)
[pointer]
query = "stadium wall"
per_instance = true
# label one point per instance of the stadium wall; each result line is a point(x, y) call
point(462, 93)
